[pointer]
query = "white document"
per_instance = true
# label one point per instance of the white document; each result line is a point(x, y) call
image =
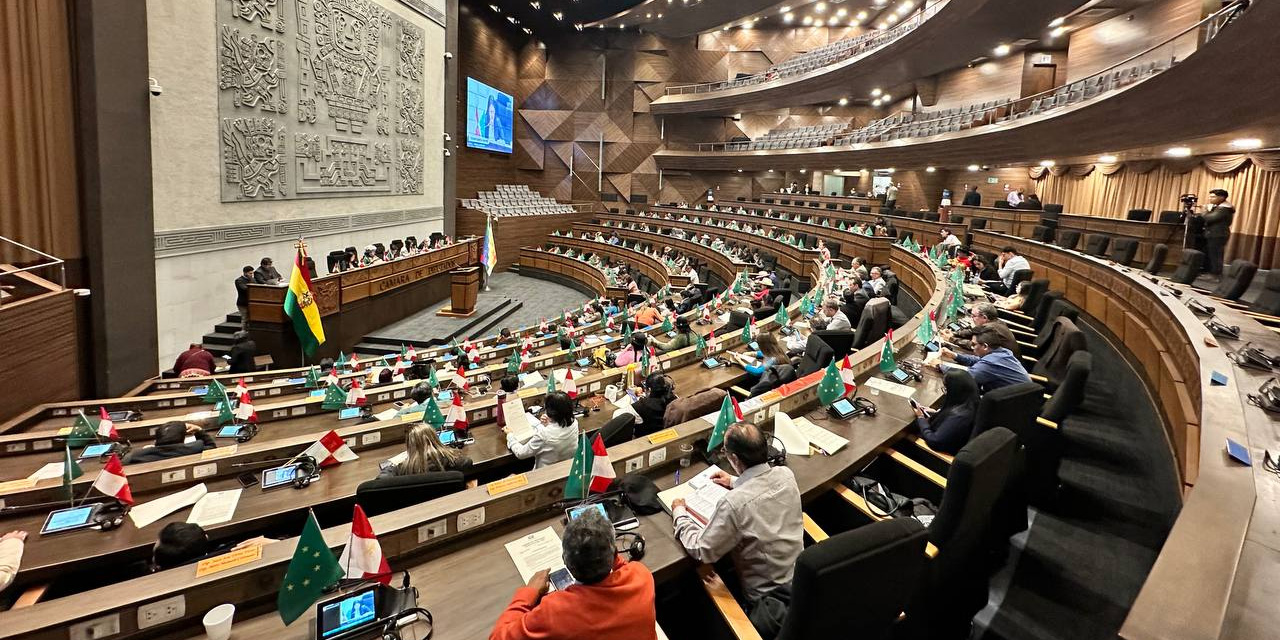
point(215, 508)
point(795, 442)
point(624, 405)
point(513, 408)
point(700, 495)
point(535, 552)
point(48, 472)
point(388, 414)
point(888, 386)
point(521, 426)
point(147, 513)
point(823, 439)
point(932, 357)
point(398, 458)
point(532, 379)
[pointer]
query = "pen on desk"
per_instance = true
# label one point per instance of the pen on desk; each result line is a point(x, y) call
point(677, 476)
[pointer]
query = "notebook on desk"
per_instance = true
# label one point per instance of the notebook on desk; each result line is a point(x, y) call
point(700, 495)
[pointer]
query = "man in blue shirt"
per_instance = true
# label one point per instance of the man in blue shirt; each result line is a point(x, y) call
point(992, 364)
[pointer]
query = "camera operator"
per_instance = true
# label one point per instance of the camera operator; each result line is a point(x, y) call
point(1217, 219)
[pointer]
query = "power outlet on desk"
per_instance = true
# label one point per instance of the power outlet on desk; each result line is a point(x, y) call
point(160, 612)
point(204, 470)
point(470, 519)
point(432, 530)
point(634, 464)
point(657, 456)
point(101, 627)
point(177, 475)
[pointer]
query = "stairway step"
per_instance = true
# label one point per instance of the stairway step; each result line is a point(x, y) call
point(234, 317)
point(227, 327)
point(218, 338)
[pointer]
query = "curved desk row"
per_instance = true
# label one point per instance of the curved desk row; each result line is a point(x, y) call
point(651, 267)
point(724, 267)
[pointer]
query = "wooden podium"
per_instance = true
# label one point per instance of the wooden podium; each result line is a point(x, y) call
point(465, 286)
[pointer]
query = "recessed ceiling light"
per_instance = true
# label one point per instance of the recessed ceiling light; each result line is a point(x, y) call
point(1057, 32)
point(882, 26)
point(808, 20)
point(535, 4)
point(973, 167)
point(1057, 22)
point(842, 12)
point(1108, 159)
point(929, 169)
point(739, 170)
point(820, 7)
point(771, 171)
point(886, 97)
point(788, 17)
point(648, 16)
point(844, 101)
point(559, 15)
point(1047, 163)
point(512, 20)
point(802, 171)
point(831, 22)
point(890, 170)
point(659, 16)
point(853, 23)
point(495, 8)
point(526, 30)
point(1246, 143)
point(875, 92)
point(1002, 50)
point(862, 15)
point(876, 102)
point(784, 10)
point(893, 17)
point(1178, 152)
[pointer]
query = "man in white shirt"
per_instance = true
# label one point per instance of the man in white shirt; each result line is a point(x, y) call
point(874, 283)
point(1010, 263)
point(836, 319)
point(1014, 198)
point(692, 274)
point(949, 239)
point(891, 195)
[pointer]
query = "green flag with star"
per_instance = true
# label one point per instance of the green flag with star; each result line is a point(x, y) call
point(431, 378)
point(723, 421)
point(432, 415)
point(334, 398)
point(887, 360)
point(313, 378)
point(83, 431)
point(666, 325)
point(831, 388)
point(551, 382)
point(781, 317)
point(225, 415)
point(700, 346)
point(70, 471)
point(215, 392)
point(925, 332)
point(312, 570)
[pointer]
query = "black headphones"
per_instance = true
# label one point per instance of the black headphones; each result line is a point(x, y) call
point(777, 454)
point(110, 515)
point(633, 549)
point(247, 431)
point(308, 471)
point(863, 407)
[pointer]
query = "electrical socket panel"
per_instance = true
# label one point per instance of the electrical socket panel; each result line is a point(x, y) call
point(177, 475)
point(432, 530)
point(204, 470)
point(634, 464)
point(162, 611)
point(100, 627)
point(657, 456)
point(470, 519)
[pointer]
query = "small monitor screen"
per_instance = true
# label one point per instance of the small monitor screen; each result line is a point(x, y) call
point(900, 375)
point(67, 519)
point(447, 436)
point(279, 475)
point(355, 610)
point(199, 391)
point(489, 117)
point(561, 579)
point(231, 431)
point(95, 450)
point(711, 363)
point(349, 412)
point(842, 406)
point(577, 511)
point(582, 362)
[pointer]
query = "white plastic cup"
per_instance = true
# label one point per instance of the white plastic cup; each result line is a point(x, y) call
point(217, 623)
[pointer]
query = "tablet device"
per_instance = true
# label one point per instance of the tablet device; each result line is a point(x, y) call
point(932, 346)
point(1239, 453)
point(473, 366)
point(755, 346)
point(316, 393)
point(295, 381)
point(446, 396)
point(574, 512)
point(447, 436)
point(348, 413)
point(96, 450)
point(69, 519)
point(671, 334)
point(348, 614)
point(119, 416)
point(229, 431)
point(584, 362)
point(199, 391)
point(841, 408)
point(711, 363)
point(278, 476)
point(900, 376)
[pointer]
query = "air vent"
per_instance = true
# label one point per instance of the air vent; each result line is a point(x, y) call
point(1096, 12)
point(1024, 42)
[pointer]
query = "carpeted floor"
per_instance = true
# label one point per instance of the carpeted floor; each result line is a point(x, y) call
point(1074, 574)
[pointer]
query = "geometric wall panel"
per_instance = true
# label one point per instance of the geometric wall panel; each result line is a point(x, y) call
point(318, 98)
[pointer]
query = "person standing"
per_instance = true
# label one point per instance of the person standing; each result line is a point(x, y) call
point(243, 352)
point(242, 294)
point(891, 195)
point(1217, 229)
point(971, 196)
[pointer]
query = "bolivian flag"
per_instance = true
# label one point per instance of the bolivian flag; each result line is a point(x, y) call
point(300, 305)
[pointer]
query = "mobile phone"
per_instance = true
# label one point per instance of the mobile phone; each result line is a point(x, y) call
point(247, 479)
point(914, 404)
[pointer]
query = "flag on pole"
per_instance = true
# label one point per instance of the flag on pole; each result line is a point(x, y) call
point(356, 396)
point(781, 316)
point(457, 414)
point(887, 361)
point(846, 374)
point(551, 383)
point(411, 354)
point(334, 398)
point(925, 332)
point(330, 450)
point(431, 378)
point(113, 482)
point(244, 411)
point(460, 378)
point(311, 572)
point(215, 392)
point(106, 426)
point(241, 387)
point(354, 362)
point(332, 380)
point(70, 471)
point(362, 558)
point(591, 471)
point(700, 347)
point(570, 387)
point(746, 330)
point(726, 418)
point(831, 388)
point(737, 411)
point(313, 377)
point(300, 304)
point(432, 415)
point(489, 251)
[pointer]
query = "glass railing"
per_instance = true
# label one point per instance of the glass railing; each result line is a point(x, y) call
point(822, 57)
point(26, 272)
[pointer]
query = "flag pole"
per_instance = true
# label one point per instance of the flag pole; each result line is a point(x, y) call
point(488, 230)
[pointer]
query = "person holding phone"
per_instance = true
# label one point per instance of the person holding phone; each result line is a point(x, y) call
point(947, 429)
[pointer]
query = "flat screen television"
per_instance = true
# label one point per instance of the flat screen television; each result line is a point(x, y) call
point(489, 117)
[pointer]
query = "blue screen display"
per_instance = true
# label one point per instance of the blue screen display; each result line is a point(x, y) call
point(489, 117)
point(347, 613)
point(95, 450)
point(68, 518)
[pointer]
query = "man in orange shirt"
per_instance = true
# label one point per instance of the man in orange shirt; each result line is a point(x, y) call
point(613, 598)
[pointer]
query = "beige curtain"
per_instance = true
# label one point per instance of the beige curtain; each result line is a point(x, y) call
point(1254, 186)
point(38, 200)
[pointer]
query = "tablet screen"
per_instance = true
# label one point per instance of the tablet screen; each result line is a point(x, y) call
point(279, 475)
point(354, 610)
point(349, 412)
point(711, 363)
point(900, 375)
point(583, 362)
point(447, 436)
point(95, 450)
point(843, 406)
point(577, 511)
point(66, 519)
point(230, 431)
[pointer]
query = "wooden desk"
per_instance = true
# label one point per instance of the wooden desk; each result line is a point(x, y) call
point(830, 203)
point(722, 266)
point(1148, 234)
point(356, 302)
point(648, 265)
point(41, 343)
point(1016, 222)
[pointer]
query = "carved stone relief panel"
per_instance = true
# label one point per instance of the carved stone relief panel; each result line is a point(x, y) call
point(353, 131)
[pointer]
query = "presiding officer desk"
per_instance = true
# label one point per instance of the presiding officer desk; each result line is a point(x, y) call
point(463, 576)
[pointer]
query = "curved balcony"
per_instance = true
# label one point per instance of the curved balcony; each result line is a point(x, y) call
point(1130, 105)
point(924, 45)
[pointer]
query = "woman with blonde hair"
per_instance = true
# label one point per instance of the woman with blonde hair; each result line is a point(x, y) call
point(426, 454)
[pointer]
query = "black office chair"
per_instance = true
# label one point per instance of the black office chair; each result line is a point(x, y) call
point(389, 494)
point(334, 261)
point(1123, 250)
point(1236, 279)
point(889, 554)
point(1020, 276)
point(932, 216)
point(1053, 208)
point(1156, 264)
point(1268, 301)
point(1189, 267)
point(1139, 215)
point(978, 223)
point(1050, 366)
point(873, 323)
point(1002, 204)
point(841, 342)
point(1070, 393)
point(618, 430)
point(737, 320)
point(1034, 293)
point(1041, 233)
point(817, 355)
point(1172, 217)
point(1068, 238)
point(1096, 244)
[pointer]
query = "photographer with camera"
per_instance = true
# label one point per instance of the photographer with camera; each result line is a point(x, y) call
point(1217, 219)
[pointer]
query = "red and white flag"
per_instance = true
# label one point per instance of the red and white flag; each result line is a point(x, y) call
point(106, 427)
point(332, 379)
point(460, 378)
point(354, 362)
point(570, 387)
point(473, 354)
point(609, 324)
point(244, 411)
point(397, 369)
point(362, 558)
point(330, 450)
point(356, 397)
point(737, 411)
point(846, 374)
point(542, 326)
point(706, 313)
point(411, 354)
point(112, 481)
point(602, 474)
point(457, 418)
point(241, 387)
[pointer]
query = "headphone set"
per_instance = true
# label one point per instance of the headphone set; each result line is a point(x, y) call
point(308, 471)
point(110, 515)
point(913, 368)
point(1221, 328)
point(635, 548)
point(246, 433)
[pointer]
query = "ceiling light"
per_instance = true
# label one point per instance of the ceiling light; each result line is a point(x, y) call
point(862, 15)
point(906, 6)
point(808, 20)
point(648, 16)
point(559, 15)
point(578, 26)
point(621, 26)
point(495, 8)
point(842, 12)
point(853, 23)
point(886, 97)
point(535, 4)
point(1108, 159)
point(771, 171)
point(890, 170)
point(1246, 143)
point(893, 17)
point(1178, 152)
point(512, 20)
point(875, 92)
point(526, 30)
point(929, 169)
point(788, 17)
point(724, 28)
point(1057, 22)
point(659, 16)
point(876, 102)
point(739, 170)
point(784, 10)
point(879, 2)
point(1002, 50)
point(882, 26)
point(973, 167)
point(802, 171)
point(820, 7)
point(831, 22)
point(844, 101)
point(1057, 32)
point(1047, 163)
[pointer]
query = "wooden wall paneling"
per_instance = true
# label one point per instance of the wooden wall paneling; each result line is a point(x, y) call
point(993, 80)
point(513, 232)
point(1099, 46)
point(40, 359)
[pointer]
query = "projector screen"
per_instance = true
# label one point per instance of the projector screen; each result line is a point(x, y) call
point(488, 117)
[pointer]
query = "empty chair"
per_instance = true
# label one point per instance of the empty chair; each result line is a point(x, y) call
point(1123, 250)
point(1014, 407)
point(1070, 393)
point(1065, 339)
point(1053, 208)
point(1189, 267)
point(841, 342)
point(889, 554)
point(1172, 217)
point(1236, 279)
point(389, 494)
point(817, 355)
point(618, 430)
point(1140, 215)
point(873, 324)
point(1041, 233)
point(978, 223)
point(1268, 301)
point(1068, 238)
point(1156, 263)
point(1096, 244)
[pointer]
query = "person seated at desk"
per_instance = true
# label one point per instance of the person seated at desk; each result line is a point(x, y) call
point(983, 315)
point(982, 271)
point(947, 429)
point(1017, 300)
point(1032, 202)
point(859, 266)
point(426, 454)
point(836, 319)
point(659, 392)
point(194, 362)
point(874, 283)
point(11, 546)
point(761, 311)
point(181, 543)
point(992, 364)
point(632, 352)
point(1011, 262)
point(1014, 198)
point(555, 439)
point(171, 443)
point(757, 524)
point(243, 352)
point(266, 273)
point(684, 337)
point(948, 239)
point(614, 598)
point(648, 315)
point(418, 395)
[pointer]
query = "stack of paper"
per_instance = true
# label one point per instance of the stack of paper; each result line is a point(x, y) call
point(888, 386)
point(532, 379)
point(700, 495)
point(47, 472)
point(147, 513)
point(215, 508)
point(799, 434)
